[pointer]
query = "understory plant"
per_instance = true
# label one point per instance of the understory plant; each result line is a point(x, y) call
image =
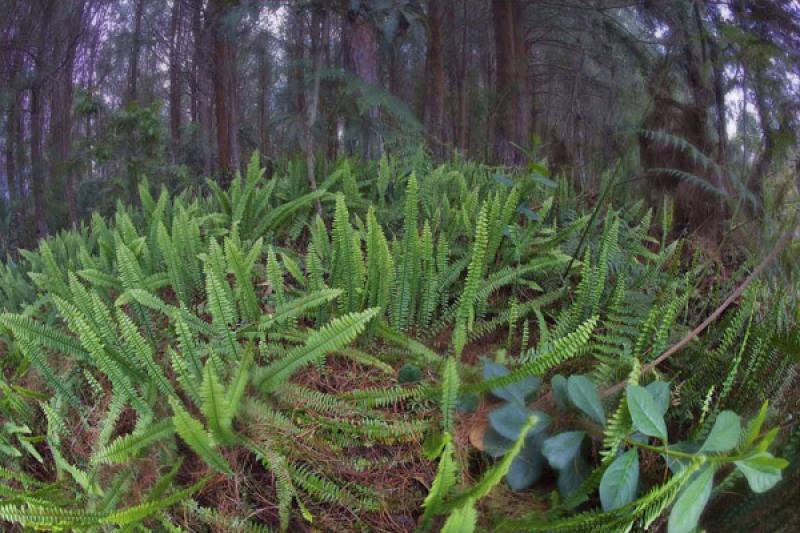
point(234, 359)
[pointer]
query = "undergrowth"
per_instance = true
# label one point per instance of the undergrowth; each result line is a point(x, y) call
point(442, 335)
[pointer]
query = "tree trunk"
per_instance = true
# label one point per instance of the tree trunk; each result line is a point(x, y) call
point(175, 112)
point(65, 118)
point(264, 83)
point(133, 75)
point(434, 78)
point(461, 119)
point(513, 113)
point(37, 161)
point(36, 120)
point(296, 51)
point(362, 55)
point(523, 80)
point(11, 169)
point(224, 56)
point(202, 86)
point(320, 21)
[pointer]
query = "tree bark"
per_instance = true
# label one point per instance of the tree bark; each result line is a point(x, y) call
point(514, 108)
point(224, 56)
point(462, 117)
point(133, 75)
point(175, 85)
point(36, 121)
point(320, 21)
point(523, 80)
point(362, 55)
point(264, 82)
point(37, 161)
point(202, 85)
point(434, 78)
point(64, 114)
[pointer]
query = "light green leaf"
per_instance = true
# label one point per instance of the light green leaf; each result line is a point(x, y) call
point(562, 448)
point(754, 426)
point(646, 415)
point(690, 504)
point(583, 393)
point(659, 390)
point(762, 470)
point(509, 419)
point(619, 482)
point(724, 434)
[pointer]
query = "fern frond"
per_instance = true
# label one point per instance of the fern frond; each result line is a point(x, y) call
point(336, 334)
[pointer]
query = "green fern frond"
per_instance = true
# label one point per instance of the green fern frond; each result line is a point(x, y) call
point(336, 334)
point(127, 446)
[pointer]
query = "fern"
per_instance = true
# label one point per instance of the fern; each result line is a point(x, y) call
point(450, 385)
point(338, 333)
point(465, 315)
point(194, 435)
point(127, 446)
point(442, 484)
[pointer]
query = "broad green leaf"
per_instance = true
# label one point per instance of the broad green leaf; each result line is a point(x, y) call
point(646, 415)
point(509, 419)
point(495, 444)
point(526, 467)
point(691, 502)
point(583, 393)
point(659, 390)
point(619, 482)
point(562, 448)
point(560, 393)
point(516, 392)
point(762, 470)
point(724, 434)
point(572, 477)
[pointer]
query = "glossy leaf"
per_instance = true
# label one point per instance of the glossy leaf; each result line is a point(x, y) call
point(526, 468)
point(583, 393)
point(762, 470)
point(516, 392)
point(724, 433)
point(509, 419)
point(659, 390)
point(691, 502)
point(562, 448)
point(620, 480)
point(645, 413)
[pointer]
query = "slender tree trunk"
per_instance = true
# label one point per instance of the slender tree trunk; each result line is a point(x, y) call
point(264, 81)
point(65, 117)
point(175, 86)
point(12, 131)
point(37, 161)
point(523, 79)
point(461, 86)
point(133, 75)
point(434, 79)
point(296, 51)
point(224, 54)
point(11, 169)
point(362, 54)
point(507, 91)
point(201, 34)
point(320, 22)
point(36, 119)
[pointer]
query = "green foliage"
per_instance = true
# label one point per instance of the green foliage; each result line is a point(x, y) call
point(304, 357)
